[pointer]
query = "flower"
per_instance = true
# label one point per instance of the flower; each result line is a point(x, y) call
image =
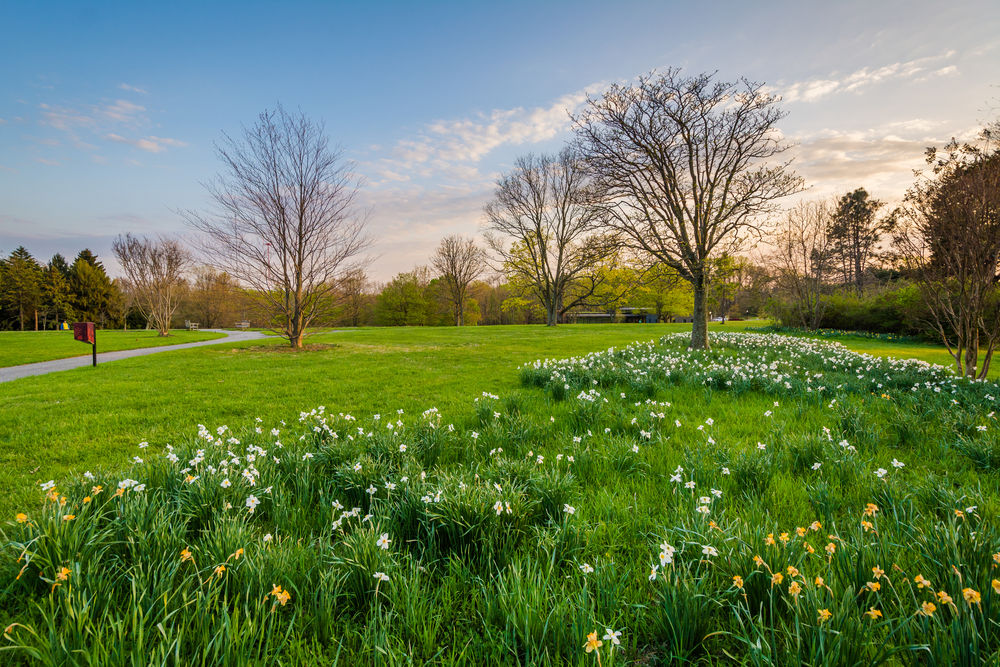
point(21, 517)
point(996, 586)
point(268, 537)
point(252, 503)
point(586, 568)
point(815, 525)
point(873, 613)
point(873, 586)
point(381, 576)
point(220, 570)
point(689, 485)
point(186, 555)
point(867, 525)
point(239, 552)
point(792, 571)
point(225, 483)
point(824, 615)
point(899, 464)
point(652, 573)
point(709, 551)
point(971, 596)
point(777, 578)
point(794, 589)
point(738, 582)
point(371, 490)
point(944, 598)
point(48, 485)
point(69, 517)
point(612, 636)
point(784, 538)
point(569, 509)
point(921, 582)
point(817, 465)
point(830, 548)
point(871, 509)
point(769, 540)
point(819, 581)
point(878, 572)
point(758, 561)
point(593, 643)
point(927, 609)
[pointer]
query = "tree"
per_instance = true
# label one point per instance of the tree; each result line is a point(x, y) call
point(664, 292)
point(56, 297)
point(459, 261)
point(801, 260)
point(355, 297)
point(855, 230)
point(679, 170)
point(154, 274)
point(402, 301)
point(949, 243)
point(543, 206)
point(285, 220)
point(22, 286)
point(210, 296)
point(90, 287)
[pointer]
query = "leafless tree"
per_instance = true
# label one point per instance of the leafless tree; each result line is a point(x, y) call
point(949, 241)
point(154, 274)
point(679, 166)
point(355, 296)
point(210, 296)
point(800, 259)
point(285, 222)
point(546, 233)
point(459, 261)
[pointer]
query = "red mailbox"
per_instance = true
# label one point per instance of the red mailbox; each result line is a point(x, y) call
point(84, 332)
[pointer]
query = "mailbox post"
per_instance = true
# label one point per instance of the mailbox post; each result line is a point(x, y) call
point(85, 333)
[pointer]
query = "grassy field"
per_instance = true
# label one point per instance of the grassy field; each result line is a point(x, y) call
point(28, 347)
point(468, 583)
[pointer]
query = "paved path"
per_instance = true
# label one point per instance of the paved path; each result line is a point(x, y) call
point(41, 368)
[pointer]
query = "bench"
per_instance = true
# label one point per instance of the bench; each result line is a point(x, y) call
point(244, 325)
point(191, 326)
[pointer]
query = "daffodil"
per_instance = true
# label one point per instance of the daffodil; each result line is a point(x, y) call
point(921, 582)
point(996, 586)
point(220, 570)
point(824, 615)
point(383, 542)
point(944, 598)
point(186, 555)
point(873, 586)
point(612, 636)
point(777, 578)
point(794, 589)
point(873, 613)
point(593, 643)
point(927, 609)
point(21, 517)
point(738, 582)
point(971, 596)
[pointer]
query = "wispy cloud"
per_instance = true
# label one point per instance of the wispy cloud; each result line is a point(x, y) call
point(814, 90)
point(125, 86)
point(10, 169)
point(149, 144)
point(44, 160)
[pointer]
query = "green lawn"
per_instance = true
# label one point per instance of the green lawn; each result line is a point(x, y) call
point(28, 347)
point(537, 520)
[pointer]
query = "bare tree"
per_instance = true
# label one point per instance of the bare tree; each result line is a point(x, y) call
point(154, 274)
point(285, 222)
point(459, 261)
point(355, 296)
point(801, 260)
point(557, 250)
point(211, 296)
point(949, 242)
point(679, 165)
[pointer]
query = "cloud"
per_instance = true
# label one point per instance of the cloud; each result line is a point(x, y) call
point(3, 168)
point(149, 144)
point(47, 161)
point(98, 159)
point(2, 121)
point(817, 89)
point(125, 86)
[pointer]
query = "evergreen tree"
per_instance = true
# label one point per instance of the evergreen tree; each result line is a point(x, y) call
point(21, 288)
point(90, 287)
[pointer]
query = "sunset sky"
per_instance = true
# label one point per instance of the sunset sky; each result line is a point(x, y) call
point(109, 112)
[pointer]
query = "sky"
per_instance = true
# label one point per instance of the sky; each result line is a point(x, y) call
point(109, 113)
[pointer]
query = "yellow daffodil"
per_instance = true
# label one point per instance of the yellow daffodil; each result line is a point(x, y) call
point(878, 572)
point(793, 571)
point(777, 578)
point(867, 525)
point(831, 548)
point(95, 490)
point(63, 574)
point(186, 555)
point(944, 598)
point(815, 526)
point(769, 540)
point(873, 613)
point(593, 643)
point(824, 615)
point(921, 582)
point(820, 581)
point(69, 517)
point(871, 509)
point(794, 589)
point(996, 586)
point(220, 570)
point(784, 538)
point(873, 586)
point(21, 517)
point(281, 596)
point(801, 532)
point(809, 548)
point(239, 552)
point(971, 596)
point(738, 582)
point(758, 561)
point(927, 609)
point(87, 499)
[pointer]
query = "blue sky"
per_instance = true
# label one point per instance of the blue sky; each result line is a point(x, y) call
point(108, 112)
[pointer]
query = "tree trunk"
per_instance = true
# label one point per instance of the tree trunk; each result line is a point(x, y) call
point(699, 327)
point(971, 356)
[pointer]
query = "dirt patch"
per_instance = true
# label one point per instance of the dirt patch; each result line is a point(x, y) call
point(284, 349)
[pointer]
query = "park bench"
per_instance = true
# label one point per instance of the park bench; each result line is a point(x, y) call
point(191, 326)
point(244, 325)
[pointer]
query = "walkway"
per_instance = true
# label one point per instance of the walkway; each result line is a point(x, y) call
point(41, 368)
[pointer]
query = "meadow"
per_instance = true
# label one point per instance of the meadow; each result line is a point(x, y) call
point(28, 347)
point(440, 497)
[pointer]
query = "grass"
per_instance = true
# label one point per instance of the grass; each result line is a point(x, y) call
point(29, 347)
point(468, 585)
